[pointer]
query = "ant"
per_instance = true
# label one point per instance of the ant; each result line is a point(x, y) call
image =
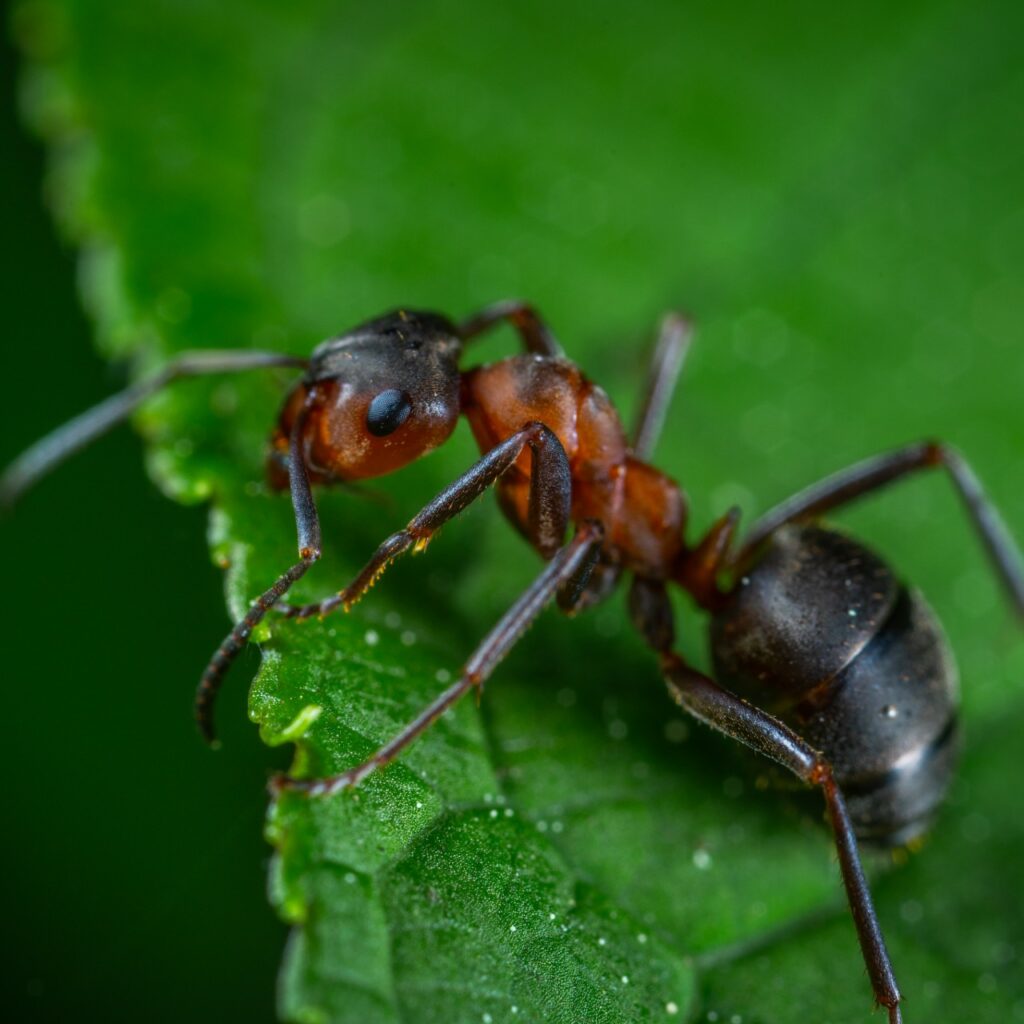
point(829, 665)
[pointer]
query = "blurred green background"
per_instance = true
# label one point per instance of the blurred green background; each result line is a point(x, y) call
point(127, 897)
point(836, 195)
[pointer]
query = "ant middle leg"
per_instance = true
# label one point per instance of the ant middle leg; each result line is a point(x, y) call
point(875, 473)
point(674, 337)
point(569, 568)
point(651, 612)
point(703, 698)
point(698, 568)
point(549, 506)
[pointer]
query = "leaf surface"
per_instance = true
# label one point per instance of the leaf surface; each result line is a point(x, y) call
point(834, 198)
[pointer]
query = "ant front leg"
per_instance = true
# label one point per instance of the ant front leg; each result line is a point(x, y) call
point(535, 333)
point(568, 569)
point(703, 698)
point(550, 500)
point(872, 475)
point(307, 524)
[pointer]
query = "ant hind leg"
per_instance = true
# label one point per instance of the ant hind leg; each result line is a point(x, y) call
point(875, 473)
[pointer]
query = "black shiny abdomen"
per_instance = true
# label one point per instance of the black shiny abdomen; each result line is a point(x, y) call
point(821, 633)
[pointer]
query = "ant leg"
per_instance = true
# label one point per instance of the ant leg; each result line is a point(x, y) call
point(550, 499)
point(307, 524)
point(535, 333)
point(698, 569)
point(51, 450)
point(569, 566)
point(650, 611)
point(673, 343)
point(577, 596)
point(873, 474)
point(703, 698)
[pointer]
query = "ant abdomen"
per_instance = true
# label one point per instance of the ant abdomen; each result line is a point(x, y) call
point(822, 632)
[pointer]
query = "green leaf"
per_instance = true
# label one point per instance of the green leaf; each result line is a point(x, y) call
point(833, 194)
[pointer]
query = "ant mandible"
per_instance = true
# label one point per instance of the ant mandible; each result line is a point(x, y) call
point(834, 668)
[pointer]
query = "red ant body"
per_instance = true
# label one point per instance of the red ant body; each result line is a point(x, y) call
point(805, 621)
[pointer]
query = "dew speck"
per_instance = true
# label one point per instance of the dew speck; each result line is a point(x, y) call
point(324, 220)
point(372, 637)
point(701, 859)
point(890, 711)
point(419, 805)
point(408, 638)
point(1003, 953)
point(487, 1018)
point(350, 877)
point(542, 825)
point(671, 1009)
point(509, 812)
point(513, 1009)
point(617, 729)
point(625, 979)
point(736, 1018)
point(174, 305)
point(442, 675)
point(392, 620)
point(641, 938)
point(551, 916)
point(676, 730)
point(911, 911)
point(602, 942)
point(557, 826)
point(494, 812)
point(512, 928)
point(976, 828)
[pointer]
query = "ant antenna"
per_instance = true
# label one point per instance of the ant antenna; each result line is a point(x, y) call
point(49, 451)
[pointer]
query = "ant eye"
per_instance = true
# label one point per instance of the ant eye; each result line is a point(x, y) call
point(387, 412)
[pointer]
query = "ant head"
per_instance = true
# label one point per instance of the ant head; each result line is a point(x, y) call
point(385, 393)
